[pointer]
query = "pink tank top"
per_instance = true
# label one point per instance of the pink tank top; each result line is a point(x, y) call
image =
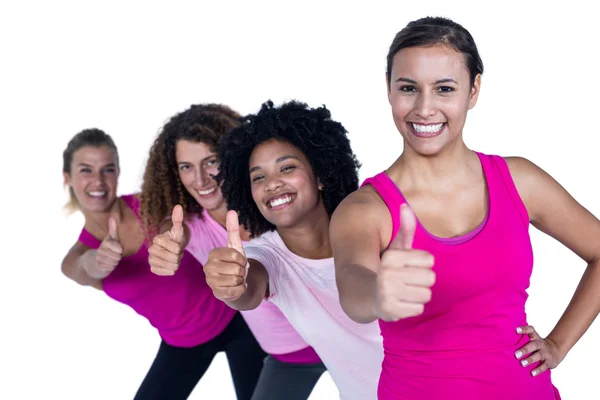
point(464, 342)
point(181, 307)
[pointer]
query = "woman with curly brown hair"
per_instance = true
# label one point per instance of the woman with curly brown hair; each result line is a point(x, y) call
point(180, 172)
point(111, 254)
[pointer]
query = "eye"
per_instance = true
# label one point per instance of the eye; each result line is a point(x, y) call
point(408, 88)
point(184, 167)
point(445, 89)
point(110, 170)
point(256, 178)
point(288, 168)
point(85, 170)
point(211, 162)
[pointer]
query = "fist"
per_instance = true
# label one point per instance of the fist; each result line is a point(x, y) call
point(405, 276)
point(166, 250)
point(227, 268)
point(109, 254)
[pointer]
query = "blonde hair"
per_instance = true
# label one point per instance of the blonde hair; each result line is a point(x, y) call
point(88, 137)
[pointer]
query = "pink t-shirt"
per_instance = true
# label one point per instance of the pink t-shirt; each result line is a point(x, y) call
point(181, 307)
point(270, 328)
point(306, 292)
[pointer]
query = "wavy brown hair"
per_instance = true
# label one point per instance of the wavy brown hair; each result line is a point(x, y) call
point(162, 189)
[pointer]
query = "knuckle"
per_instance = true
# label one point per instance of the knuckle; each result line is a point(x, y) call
point(427, 296)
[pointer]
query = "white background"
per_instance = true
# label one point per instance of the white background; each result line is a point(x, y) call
point(126, 66)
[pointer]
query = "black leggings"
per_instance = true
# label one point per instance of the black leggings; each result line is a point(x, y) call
point(176, 371)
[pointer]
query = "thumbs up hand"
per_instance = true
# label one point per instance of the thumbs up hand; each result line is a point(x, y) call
point(109, 253)
point(166, 250)
point(405, 276)
point(227, 267)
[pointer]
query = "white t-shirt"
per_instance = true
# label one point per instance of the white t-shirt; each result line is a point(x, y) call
point(306, 292)
point(270, 328)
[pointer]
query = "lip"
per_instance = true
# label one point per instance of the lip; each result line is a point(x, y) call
point(279, 195)
point(426, 135)
point(214, 190)
point(89, 194)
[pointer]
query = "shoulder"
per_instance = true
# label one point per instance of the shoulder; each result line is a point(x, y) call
point(265, 240)
point(527, 176)
point(364, 202)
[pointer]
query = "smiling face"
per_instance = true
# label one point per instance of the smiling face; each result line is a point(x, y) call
point(93, 178)
point(284, 186)
point(197, 165)
point(430, 94)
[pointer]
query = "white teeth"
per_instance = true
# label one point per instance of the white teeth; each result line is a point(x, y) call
point(207, 191)
point(96, 194)
point(279, 201)
point(427, 128)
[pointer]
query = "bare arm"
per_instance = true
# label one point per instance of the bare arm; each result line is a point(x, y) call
point(73, 265)
point(553, 211)
point(356, 239)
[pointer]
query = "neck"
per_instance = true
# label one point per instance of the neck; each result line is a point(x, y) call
point(452, 163)
point(220, 216)
point(96, 222)
point(309, 239)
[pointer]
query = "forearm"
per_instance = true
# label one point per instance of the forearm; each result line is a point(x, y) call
point(581, 311)
point(257, 280)
point(76, 271)
point(357, 287)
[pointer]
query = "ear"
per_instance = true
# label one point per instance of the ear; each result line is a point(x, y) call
point(66, 179)
point(320, 185)
point(475, 91)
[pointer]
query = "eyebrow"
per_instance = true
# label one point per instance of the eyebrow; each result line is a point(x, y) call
point(445, 80)
point(204, 159)
point(87, 165)
point(280, 159)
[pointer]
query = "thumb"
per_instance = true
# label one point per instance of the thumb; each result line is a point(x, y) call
point(406, 233)
point(177, 232)
point(112, 228)
point(234, 240)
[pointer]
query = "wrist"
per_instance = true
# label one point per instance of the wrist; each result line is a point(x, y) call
point(559, 345)
point(90, 266)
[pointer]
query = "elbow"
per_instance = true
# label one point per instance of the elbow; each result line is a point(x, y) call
point(359, 310)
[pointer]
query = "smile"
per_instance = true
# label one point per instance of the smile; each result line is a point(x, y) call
point(281, 201)
point(426, 131)
point(96, 194)
point(207, 191)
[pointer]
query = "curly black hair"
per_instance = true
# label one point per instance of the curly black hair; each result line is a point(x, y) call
point(323, 141)
point(161, 188)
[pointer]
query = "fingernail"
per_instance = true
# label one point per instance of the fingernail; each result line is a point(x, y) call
point(534, 373)
point(519, 330)
point(524, 362)
point(518, 354)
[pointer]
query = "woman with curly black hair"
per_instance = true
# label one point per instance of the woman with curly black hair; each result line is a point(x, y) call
point(285, 170)
point(180, 171)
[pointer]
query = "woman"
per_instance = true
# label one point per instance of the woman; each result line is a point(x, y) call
point(181, 170)
point(285, 170)
point(444, 258)
point(111, 255)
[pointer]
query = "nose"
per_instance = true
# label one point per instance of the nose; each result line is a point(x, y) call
point(425, 106)
point(272, 184)
point(203, 177)
point(99, 178)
